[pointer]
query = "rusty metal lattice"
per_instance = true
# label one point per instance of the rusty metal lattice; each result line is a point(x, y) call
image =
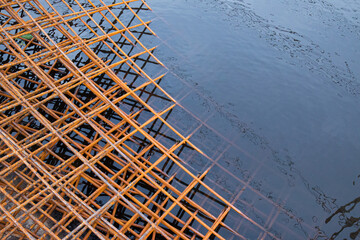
point(86, 150)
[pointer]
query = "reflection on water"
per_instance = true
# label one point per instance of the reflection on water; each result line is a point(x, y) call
point(271, 96)
point(347, 220)
point(282, 82)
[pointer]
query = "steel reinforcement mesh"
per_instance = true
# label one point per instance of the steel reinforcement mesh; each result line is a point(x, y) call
point(86, 147)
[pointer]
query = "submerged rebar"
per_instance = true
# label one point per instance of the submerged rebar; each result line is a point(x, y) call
point(86, 150)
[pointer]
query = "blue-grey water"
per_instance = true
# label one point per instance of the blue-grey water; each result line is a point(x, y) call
point(281, 82)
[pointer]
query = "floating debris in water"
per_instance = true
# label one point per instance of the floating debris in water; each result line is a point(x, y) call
point(27, 36)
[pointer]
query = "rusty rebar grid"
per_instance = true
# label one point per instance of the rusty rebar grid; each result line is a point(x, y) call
point(86, 151)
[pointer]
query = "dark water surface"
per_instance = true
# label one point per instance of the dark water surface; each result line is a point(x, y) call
point(271, 91)
point(280, 81)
